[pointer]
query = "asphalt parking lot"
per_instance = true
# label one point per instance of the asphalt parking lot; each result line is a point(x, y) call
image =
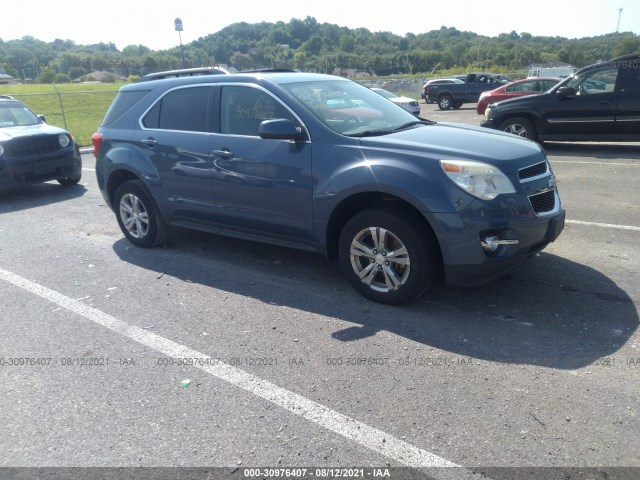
point(212, 352)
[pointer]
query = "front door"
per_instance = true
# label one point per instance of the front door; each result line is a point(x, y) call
point(263, 187)
point(592, 111)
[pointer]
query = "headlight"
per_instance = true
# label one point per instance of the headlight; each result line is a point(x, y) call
point(487, 111)
point(479, 179)
point(1, 150)
point(63, 140)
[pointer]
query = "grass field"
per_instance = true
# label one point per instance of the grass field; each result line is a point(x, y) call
point(83, 105)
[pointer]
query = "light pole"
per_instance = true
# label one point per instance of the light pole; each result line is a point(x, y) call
point(177, 23)
point(619, 14)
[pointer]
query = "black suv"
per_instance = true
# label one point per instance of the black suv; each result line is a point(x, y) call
point(324, 164)
point(601, 102)
point(32, 151)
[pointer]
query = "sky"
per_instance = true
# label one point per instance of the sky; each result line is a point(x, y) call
point(151, 22)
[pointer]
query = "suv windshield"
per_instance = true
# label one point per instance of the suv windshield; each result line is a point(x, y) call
point(15, 114)
point(348, 107)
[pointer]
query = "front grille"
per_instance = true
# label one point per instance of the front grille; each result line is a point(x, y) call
point(543, 202)
point(533, 171)
point(32, 146)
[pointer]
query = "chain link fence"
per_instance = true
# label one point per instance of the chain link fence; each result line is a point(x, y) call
point(79, 112)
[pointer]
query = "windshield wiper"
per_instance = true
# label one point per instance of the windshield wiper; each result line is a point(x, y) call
point(387, 131)
point(373, 133)
point(415, 122)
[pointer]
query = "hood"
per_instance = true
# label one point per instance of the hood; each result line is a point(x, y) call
point(463, 142)
point(402, 100)
point(518, 102)
point(8, 133)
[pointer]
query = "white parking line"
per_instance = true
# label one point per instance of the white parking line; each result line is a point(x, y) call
point(598, 163)
point(365, 435)
point(603, 225)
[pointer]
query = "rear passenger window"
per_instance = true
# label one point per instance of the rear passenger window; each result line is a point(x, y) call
point(184, 110)
point(123, 102)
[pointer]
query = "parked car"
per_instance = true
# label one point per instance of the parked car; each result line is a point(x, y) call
point(455, 95)
point(409, 104)
point(324, 164)
point(598, 103)
point(424, 94)
point(518, 88)
point(32, 151)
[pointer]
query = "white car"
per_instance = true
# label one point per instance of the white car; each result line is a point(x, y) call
point(409, 104)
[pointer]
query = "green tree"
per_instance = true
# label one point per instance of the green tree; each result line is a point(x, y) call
point(47, 75)
point(627, 46)
point(62, 78)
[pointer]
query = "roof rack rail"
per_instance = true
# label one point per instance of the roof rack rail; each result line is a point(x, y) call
point(270, 70)
point(184, 72)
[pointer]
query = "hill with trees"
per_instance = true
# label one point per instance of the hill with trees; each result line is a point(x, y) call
point(311, 46)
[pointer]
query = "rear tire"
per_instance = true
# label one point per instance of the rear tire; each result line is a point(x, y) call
point(387, 255)
point(445, 102)
point(138, 215)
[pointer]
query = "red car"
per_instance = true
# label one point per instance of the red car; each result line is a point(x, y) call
point(518, 88)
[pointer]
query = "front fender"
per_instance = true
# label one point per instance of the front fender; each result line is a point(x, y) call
point(424, 187)
point(420, 182)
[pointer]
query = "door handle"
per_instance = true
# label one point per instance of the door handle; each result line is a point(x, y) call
point(150, 142)
point(223, 153)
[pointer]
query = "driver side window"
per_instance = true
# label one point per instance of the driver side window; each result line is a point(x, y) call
point(597, 82)
point(242, 109)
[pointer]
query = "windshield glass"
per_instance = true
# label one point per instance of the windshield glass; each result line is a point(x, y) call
point(349, 108)
point(14, 114)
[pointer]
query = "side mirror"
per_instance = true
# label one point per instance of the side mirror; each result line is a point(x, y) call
point(566, 92)
point(43, 118)
point(280, 129)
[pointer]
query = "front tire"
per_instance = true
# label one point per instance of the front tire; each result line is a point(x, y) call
point(519, 126)
point(138, 216)
point(387, 255)
point(69, 181)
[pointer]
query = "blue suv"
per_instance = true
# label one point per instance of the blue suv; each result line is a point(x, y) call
point(323, 164)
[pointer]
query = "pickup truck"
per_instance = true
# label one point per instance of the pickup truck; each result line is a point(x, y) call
point(454, 95)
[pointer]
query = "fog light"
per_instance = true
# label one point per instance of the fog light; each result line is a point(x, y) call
point(493, 242)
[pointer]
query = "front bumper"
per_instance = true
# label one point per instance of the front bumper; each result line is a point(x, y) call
point(467, 263)
point(534, 238)
point(488, 124)
point(18, 172)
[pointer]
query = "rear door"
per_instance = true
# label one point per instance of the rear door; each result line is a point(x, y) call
point(628, 114)
point(175, 137)
point(592, 111)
